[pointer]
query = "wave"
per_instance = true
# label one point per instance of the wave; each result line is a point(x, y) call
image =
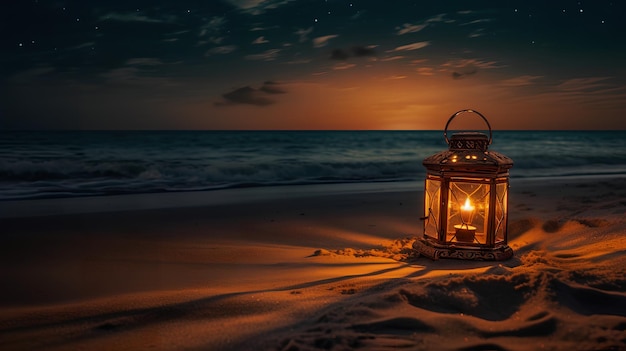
point(40, 165)
point(27, 180)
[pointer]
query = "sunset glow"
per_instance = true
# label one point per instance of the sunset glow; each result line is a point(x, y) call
point(270, 64)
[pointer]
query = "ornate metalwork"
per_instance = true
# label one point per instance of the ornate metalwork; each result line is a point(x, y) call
point(469, 141)
point(435, 252)
point(468, 155)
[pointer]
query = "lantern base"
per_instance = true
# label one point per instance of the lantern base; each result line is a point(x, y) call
point(436, 251)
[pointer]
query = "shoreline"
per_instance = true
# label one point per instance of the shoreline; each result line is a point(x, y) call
point(163, 200)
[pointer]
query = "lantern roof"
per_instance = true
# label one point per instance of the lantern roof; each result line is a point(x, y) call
point(468, 155)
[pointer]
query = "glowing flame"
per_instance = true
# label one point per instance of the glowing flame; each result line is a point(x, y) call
point(467, 212)
point(468, 206)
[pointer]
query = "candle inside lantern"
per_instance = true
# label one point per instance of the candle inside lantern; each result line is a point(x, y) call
point(467, 212)
point(465, 231)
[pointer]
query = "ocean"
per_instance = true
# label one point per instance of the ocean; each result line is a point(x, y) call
point(48, 164)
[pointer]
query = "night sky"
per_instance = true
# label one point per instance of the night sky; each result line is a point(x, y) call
point(304, 64)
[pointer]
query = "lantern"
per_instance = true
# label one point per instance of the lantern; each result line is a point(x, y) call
point(466, 199)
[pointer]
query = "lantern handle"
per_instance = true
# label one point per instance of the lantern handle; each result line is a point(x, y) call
point(445, 133)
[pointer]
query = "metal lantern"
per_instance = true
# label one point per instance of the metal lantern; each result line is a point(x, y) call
point(466, 199)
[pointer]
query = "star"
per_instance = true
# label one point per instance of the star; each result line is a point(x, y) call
point(218, 37)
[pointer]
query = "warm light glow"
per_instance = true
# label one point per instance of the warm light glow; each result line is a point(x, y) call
point(467, 212)
point(467, 206)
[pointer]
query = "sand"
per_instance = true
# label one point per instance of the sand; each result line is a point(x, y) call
point(325, 267)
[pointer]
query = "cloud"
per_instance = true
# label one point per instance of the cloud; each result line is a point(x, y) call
point(482, 20)
point(417, 27)
point(135, 17)
point(246, 4)
point(173, 36)
point(271, 87)
point(392, 58)
point(463, 63)
point(268, 55)
point(122, 75)
point(343, 66)
point(467, 67)
point(257, 7)
point(438, 18)
point(220, 50)
point(465, 73)
point(303, 34)
point(356, 51)
point(323, 41)
point(596, 92)
point(180, 32)
point(214, 24)
point(211, 32)
point(520, 81)
point(426, 71)
point(339, 54)
point(589, 84)
point(414, 46)
point(477, 33)
point(83, 46)
point(138, 71)
point(299, 61)
point(251, 96)
point(360, 51)
point(245, 95)
point(260, 40)
point(144, 61)
point(410, 28)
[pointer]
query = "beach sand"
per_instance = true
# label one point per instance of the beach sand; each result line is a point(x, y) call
point(325, 267)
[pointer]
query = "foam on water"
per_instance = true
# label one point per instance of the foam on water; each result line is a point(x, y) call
point(67, 164)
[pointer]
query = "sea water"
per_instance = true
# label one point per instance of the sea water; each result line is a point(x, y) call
point(44, 164)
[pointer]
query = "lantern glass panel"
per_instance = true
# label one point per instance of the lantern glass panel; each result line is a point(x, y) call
point(432, 205)
point(501, 211)
point(468, 211)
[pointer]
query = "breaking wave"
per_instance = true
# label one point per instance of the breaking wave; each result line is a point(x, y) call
point(66, 164)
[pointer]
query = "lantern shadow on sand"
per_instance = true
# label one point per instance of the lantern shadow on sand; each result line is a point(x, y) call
point(466, 199)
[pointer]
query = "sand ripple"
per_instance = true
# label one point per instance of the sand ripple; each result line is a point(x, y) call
point(566, 284)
